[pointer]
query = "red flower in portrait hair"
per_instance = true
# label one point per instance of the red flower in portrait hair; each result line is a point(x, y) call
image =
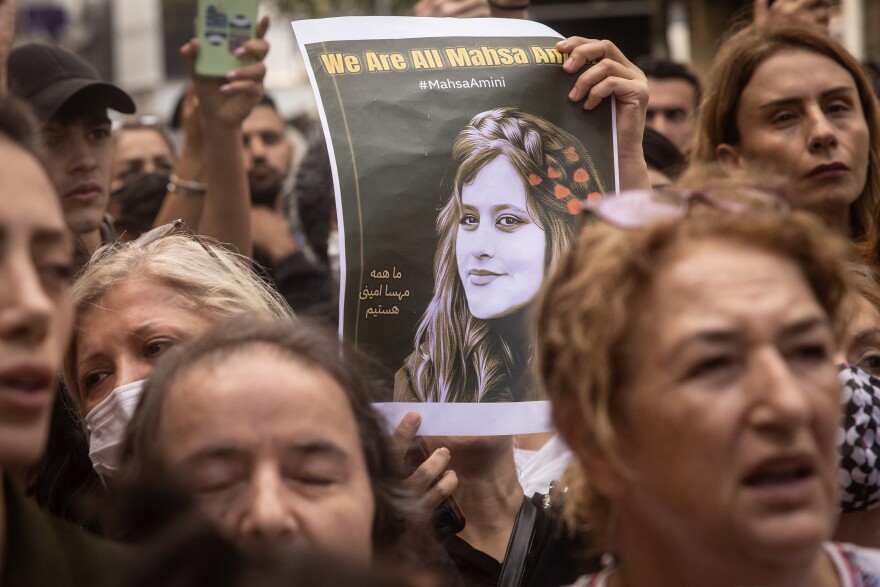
point(560, 191)
point(581, 175)
point(594, 196)
point(534, 179)
point(553, 173)
point(572, 155)
point(575, 206)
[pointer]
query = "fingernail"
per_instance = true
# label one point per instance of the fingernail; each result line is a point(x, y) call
point(412, 419)
point(240, 52)
point(231, 75)
point(225, 89)
point(443, 451)
point(573, 95)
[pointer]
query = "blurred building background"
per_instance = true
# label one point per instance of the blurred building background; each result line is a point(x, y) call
point(135, 42)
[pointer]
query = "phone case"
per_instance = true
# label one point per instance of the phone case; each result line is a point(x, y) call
point(223, 26)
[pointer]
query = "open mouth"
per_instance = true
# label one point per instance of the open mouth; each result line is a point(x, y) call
point(781, 471)
point(26, 387)
point(779, 475)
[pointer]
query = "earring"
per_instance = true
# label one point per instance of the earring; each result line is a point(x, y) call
point(608, 559)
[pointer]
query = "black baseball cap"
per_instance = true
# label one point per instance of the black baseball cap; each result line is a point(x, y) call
point(47, 77)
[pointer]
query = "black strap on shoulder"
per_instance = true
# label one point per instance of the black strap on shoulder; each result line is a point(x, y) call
point(518, 546)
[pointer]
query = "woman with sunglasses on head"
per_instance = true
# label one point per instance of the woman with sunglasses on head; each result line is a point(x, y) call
point(784, 97)
point(687, 345)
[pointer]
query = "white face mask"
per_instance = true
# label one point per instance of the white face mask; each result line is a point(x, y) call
point(107, 424)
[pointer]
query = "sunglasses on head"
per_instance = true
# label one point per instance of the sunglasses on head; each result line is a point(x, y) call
point(171, 228)
point(637, 208)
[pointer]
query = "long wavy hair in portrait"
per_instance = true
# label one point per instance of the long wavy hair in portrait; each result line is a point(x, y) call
point(458, 357)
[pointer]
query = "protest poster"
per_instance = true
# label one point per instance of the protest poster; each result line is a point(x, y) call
point(458, 163)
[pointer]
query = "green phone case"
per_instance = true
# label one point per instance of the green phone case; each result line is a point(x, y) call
point(222, 27)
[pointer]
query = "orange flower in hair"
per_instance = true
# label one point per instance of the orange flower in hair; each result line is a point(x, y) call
point(571, 169)
point(561, 192)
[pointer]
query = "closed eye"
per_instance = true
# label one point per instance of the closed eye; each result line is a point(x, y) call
point(710, 367)
point(810, 353)
point(783, 118)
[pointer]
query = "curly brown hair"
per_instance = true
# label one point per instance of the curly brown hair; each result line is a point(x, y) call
point(586, 322)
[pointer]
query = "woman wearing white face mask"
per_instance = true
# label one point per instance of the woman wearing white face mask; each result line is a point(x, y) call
point(134, 301)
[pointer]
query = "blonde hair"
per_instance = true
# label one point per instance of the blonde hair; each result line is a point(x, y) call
point(586, 320)
point(219, 284)
point(735, 64)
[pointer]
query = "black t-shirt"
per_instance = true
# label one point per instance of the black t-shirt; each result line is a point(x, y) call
point(555, 556)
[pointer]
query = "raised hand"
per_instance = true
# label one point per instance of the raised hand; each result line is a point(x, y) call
point(422, 481)
point(612, 75)
point(229, 101)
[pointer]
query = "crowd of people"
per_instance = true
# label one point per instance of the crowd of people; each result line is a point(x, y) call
point(177, 408)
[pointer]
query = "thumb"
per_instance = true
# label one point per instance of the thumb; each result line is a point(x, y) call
point(189, 52)
point(760, 8)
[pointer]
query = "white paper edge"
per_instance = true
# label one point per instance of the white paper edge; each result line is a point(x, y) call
point(614, 141)
point(351, 28)
point(325, 128)
point(354, 28)
point(466, 419)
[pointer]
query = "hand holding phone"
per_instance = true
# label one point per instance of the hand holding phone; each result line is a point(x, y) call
point(230, 99)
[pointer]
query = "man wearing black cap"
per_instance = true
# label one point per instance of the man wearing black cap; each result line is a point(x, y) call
point(72, 101)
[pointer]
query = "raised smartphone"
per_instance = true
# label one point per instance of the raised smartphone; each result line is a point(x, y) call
point(222, 26)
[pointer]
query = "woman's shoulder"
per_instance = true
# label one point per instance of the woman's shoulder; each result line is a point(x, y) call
point(857, 566)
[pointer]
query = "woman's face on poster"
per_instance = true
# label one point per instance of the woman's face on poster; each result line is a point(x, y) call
point(499, 248)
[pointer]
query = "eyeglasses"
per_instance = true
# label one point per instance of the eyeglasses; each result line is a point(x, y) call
point(155, 234)
point(636, 208)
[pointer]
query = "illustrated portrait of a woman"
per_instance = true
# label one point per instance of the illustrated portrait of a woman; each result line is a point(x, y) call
point(512, 212)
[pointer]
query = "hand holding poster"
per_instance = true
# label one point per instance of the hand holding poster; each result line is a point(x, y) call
point(459, 165)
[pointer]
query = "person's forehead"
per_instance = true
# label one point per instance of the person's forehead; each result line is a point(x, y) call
point(26, 193)
point(262, 118)
point(787, 74)
point(258, 392)
point(717, 280)
point(497, 183)
point(672, 91)
point(140, 143)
